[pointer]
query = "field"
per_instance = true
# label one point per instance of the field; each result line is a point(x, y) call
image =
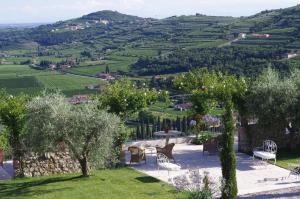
point(107, 184)
point(21, 78)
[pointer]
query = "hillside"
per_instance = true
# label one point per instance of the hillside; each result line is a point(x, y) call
point(133, 45)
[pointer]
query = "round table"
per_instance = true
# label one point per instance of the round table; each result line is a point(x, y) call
point(171, 133)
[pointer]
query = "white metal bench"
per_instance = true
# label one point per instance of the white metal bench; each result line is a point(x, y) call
point(267, 151)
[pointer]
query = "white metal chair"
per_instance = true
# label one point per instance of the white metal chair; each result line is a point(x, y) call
point(267, 151)
point(163, 162)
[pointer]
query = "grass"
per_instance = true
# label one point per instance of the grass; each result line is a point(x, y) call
point(122, 183)
point(21, 78)
point(286, 157)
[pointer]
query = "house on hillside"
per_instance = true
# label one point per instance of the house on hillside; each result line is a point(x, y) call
point(242, 35)
point(105, 76)
point(65, 66)
point(261, 35)
point(183, 107)
point(291, 55)
point(103, 21)
point(78, 99)
point(53, 66)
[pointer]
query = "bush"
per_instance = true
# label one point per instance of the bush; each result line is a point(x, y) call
point(4, 143)
point(204, 194)
point(206, 136)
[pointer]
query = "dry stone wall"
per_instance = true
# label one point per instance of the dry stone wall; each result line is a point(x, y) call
point(49, 163)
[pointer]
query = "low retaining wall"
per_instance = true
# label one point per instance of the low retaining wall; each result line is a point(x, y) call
point(160, 142)
point(49, 163)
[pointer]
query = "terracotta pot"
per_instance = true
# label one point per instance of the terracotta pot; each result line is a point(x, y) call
point(1, 157)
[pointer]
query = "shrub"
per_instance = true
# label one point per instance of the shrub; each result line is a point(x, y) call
point(204, 137)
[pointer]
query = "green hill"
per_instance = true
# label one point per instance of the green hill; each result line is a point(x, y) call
point(121, 41)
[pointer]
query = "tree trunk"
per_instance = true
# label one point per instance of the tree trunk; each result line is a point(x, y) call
point(228, 160)
point(84, 167)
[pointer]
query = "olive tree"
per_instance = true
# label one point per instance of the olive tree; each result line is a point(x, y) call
point(272, 98)
point(87, 131)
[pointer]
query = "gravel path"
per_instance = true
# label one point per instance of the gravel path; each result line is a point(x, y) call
point(289, 193)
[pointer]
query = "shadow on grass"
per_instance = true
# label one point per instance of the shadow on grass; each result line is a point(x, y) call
point(147, 179)
point(32, 187)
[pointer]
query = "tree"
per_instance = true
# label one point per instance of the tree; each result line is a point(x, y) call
point(217, 87)
point(107, 70)
point(124, 98)
point(87, 131)
point(12, 117)
point(272, 99)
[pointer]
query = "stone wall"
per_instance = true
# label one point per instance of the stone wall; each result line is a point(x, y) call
point(254, 136)
point(49, 163)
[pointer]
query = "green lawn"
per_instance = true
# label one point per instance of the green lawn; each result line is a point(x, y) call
point(285, 157)
point(122, 183)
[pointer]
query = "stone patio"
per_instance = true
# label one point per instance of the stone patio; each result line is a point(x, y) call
point(252, 176)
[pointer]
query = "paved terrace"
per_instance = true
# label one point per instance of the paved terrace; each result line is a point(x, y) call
point(252, 176)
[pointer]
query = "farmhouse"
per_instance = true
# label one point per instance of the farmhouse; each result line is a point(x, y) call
point(78, 99)
point(105, 76)
point(52, 66)
point(243, 35)
point(183, 107)
point(261, 35)
point(291, 55)
point(65, 66)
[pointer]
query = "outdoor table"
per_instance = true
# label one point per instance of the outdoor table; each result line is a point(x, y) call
point(171, 133)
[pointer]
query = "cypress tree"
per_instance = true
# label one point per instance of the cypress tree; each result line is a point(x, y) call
point(184, 126)
point(158, 124)
point(164, 124)
point(142, 130)
point(138, 131)
point(177, 124)
point(148, 133)
point(107, 71)
point(174, 125)
point(153, 130)
point(228, 161)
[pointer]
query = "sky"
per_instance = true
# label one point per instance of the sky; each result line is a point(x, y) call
point(30, 11)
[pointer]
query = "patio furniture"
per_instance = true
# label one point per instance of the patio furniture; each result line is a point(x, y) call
point(170, 133)
point(167, 151)
point(137, 154)
point(211, 146)
point(267, 151)
point(294, 169)
point(163, 162)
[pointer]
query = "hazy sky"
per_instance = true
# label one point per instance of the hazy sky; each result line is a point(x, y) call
point(20, 11)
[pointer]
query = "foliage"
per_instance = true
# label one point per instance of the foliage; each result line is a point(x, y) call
point(87, 131)
point(205, 194)
point(272, 98)
point(202, 138)
point(199, 186)
point(226, 89)
point(4, 142)
point(12, 117)
point(124, 98)
point(233, 60)
point(228, 160)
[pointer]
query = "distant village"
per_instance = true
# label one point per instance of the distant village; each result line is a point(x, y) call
point(92, 23)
